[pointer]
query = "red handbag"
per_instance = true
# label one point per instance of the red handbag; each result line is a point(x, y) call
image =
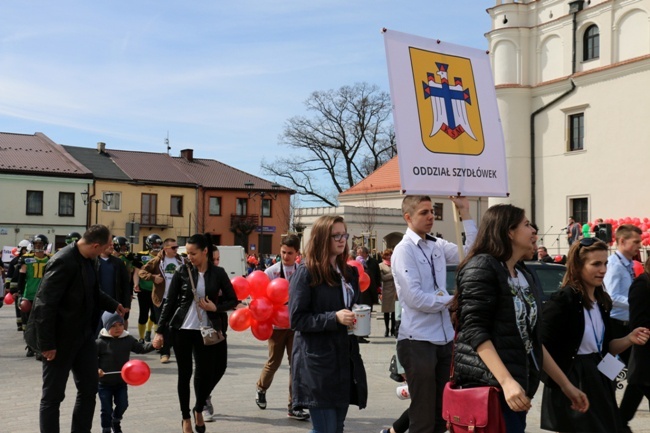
point(475, 410)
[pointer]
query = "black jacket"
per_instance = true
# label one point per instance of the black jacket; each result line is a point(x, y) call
point(326, 366)
point(563, 327)
point(121, 281)
point(639, 299)
point(486, 312)
point(180, 297)
point(59, 316)
point(113, 353)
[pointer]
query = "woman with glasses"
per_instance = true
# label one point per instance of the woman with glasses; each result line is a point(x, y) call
point(326, 367)
point(576, 331)
point(198, 293)
point(497, 307)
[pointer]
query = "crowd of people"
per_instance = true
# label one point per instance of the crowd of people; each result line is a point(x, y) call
point(73, 308)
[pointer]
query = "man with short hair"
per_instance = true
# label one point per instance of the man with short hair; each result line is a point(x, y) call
point(424, 346)
point(542, 255)
point(282, 339)
point(617, 282)
point(62, 326)
point(573, 230)
point(160, 270)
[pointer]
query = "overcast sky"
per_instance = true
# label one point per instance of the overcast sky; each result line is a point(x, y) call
point(221, 77)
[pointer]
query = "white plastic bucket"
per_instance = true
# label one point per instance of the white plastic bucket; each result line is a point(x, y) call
point(362, 320)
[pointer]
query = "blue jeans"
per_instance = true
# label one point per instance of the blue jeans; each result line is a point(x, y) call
point(515, 421)
point(327, 420)
point(109, 394)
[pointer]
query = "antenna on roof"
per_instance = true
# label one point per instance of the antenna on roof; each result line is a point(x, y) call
point(167, 143)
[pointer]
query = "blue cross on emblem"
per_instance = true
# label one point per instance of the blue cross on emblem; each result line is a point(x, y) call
point(448, 103)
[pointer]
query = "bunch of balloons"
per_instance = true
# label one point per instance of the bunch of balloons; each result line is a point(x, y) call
point(642, 223)
point(364, 278)
point(267, 308)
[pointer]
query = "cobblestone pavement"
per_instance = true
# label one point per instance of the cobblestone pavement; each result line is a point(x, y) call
point(153, 407)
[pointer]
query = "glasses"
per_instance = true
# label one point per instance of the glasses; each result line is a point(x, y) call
point(174, 248)
point(340, 236)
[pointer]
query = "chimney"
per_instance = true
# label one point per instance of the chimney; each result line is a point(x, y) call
point(101, 147)
point(188, 154)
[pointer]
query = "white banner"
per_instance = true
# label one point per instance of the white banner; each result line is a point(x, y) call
point(447, 125)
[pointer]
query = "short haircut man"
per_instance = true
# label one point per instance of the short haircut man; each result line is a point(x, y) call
point(426, 333)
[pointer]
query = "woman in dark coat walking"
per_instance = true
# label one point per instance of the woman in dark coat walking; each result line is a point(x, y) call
point(327, 371)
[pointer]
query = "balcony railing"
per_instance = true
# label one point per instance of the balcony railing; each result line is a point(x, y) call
point(152, 220)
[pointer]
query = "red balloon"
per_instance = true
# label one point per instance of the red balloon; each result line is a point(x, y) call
point(241, 286)
point(135, 372)
point(261, 309)
point(357, 265)
point(364, 282)
point(25, 305)
point(278, 291)
point(638, 267)
point(15, 252)
point(258, 281)
point(262, 330)
point(9, 299)
point(240, 320)
point(281, 316)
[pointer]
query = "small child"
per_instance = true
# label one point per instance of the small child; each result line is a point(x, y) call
point(113, 349)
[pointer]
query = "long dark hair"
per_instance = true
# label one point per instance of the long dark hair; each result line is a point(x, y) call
point(317, 253)
point(573, 276)
point(493, 237)
point(202, 242)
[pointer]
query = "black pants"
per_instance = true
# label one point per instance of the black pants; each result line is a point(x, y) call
point(81, 359)
point(210, 361)
point(146, 307)
point(427, 371)
point(633, 393)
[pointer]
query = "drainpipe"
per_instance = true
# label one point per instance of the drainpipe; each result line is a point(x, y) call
point(533, 174)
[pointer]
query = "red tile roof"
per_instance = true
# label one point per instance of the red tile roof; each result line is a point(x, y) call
point(384, 179)
point(37, 154)
point(149, 167)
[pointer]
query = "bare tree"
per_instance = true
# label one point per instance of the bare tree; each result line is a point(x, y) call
point(348, 137)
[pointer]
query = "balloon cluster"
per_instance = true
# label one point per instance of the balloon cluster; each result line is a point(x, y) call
point(267, 307)
point(364, 278)
point(643, 224)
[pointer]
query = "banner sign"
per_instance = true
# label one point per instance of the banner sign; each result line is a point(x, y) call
point(447, 125)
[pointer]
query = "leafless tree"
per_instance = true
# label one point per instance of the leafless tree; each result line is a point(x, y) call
point(348, 136)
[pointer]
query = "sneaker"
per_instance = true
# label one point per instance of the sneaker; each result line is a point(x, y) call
point(298, 414)
point(147, 337)
point(164, 359)
point(207, 417)
point(30, 353)
point(117, 428)
point(261, 399)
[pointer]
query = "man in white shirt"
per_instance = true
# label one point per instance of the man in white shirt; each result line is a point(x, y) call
point(426, 333)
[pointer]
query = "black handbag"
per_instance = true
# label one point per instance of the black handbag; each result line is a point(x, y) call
point(392, 368)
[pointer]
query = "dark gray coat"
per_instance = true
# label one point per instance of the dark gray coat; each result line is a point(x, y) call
point(326, 367)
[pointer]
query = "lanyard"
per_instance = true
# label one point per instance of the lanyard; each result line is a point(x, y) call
point(599, 344)
point(627, 266)
point(430, 262)
point(348, 291)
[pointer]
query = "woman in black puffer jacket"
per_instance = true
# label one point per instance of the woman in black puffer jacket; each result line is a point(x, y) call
point(497, 306)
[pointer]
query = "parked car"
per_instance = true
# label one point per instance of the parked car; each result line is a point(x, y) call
point(547, 276)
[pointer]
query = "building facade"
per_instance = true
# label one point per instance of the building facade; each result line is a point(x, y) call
point(571, 88)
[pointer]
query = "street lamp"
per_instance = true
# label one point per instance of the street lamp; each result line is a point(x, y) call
point(263, 194)
point(107, 202)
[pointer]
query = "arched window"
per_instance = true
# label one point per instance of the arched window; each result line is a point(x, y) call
point(591, 46)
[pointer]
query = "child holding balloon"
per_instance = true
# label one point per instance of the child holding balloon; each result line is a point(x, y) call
point(114, 347)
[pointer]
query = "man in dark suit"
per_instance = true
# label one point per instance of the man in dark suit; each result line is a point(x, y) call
point(62, 326)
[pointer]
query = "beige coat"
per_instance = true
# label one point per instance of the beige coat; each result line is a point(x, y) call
point(387, 289)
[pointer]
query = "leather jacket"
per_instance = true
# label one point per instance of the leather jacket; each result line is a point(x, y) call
point(486, 312)
point(180, 296)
